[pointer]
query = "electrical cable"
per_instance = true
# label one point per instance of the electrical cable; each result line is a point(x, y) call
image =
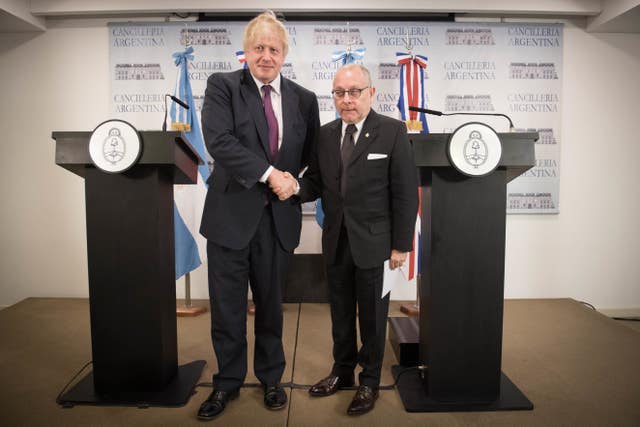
point(293, 364)
point(289, 384)
point(588, 305)
point(628, 319)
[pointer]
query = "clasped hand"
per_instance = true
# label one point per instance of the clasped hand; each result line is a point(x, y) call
point(397, 259)
point(283, 184)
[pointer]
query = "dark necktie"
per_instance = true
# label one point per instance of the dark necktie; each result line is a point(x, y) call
point(272, 122)
point(348, 143)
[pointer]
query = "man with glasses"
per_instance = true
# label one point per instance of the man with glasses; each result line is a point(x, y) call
point(365, 173)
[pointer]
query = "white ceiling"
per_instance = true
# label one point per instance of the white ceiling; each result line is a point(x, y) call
point(613, 16)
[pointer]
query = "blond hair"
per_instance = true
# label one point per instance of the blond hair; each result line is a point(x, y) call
point(266, 20)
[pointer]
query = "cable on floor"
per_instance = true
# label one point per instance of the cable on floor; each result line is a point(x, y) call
point(588, 305)
point(293, 385)
point(293, 364)
point(629, 319)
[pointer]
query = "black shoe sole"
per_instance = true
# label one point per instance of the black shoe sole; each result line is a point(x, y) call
point(233, 396)
point(356, 413)
point(341, 387)
point(323, 394)
point(276, 408)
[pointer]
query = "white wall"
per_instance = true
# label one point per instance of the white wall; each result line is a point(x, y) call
point(591, 251)
point(58, 80)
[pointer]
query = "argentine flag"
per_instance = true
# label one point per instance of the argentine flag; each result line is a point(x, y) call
point(188, 199)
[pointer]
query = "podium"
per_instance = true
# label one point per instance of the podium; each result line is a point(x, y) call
point(462, 286)
point(130, 251)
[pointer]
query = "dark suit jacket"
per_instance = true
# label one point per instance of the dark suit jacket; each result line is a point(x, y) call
point(236, 134)
point(381, 201)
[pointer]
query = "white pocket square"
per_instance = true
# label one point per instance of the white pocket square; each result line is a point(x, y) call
point(376, 156)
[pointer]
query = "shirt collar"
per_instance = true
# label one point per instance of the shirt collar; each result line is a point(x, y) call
point(275, 84)
point(358, 126)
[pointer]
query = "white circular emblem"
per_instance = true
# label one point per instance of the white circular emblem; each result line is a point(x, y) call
point(474, 149)
point(115, 146)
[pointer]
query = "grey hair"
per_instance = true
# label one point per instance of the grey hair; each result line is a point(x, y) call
point(365, 70)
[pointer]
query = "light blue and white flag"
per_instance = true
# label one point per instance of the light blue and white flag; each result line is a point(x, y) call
point(348, 56)
point(188, 199)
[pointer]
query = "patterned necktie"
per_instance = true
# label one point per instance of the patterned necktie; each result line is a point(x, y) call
point(345, 154)
point(272, 122)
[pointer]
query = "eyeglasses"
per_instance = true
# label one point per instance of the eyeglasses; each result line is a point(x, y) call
point(353, 93)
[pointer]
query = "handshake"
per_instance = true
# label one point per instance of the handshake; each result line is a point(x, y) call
point(283, 184)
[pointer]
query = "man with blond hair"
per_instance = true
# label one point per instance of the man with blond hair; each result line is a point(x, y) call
point(259, 127)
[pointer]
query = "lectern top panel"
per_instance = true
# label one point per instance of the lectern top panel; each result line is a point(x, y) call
point(169, 149)
point(518, 151)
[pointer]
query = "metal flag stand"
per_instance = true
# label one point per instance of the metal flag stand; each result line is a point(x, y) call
point(188, 310)
point(412, 310)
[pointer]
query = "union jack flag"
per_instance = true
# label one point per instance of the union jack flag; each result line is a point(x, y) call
point(241, 58)
point(414, 255)
point(412, 91)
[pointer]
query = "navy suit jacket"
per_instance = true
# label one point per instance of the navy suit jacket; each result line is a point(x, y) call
point(237, 137)
point(381, 201)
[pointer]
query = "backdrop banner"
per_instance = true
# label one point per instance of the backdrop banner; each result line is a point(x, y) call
point(510, 68)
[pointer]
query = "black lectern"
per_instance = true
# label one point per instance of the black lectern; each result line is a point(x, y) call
point(462, 287)
point(132, 297)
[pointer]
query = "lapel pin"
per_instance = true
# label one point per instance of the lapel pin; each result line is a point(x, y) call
point(366, 135)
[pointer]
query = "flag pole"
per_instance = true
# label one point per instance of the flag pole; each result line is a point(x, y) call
point(188, 309)
point(412, 310)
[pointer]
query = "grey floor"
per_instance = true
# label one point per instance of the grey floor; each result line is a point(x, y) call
point(578, 367)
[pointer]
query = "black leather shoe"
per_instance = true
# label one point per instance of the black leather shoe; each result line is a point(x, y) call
point(275, 397)
point(329, 385)
point(363, 401)
point(215, 403)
